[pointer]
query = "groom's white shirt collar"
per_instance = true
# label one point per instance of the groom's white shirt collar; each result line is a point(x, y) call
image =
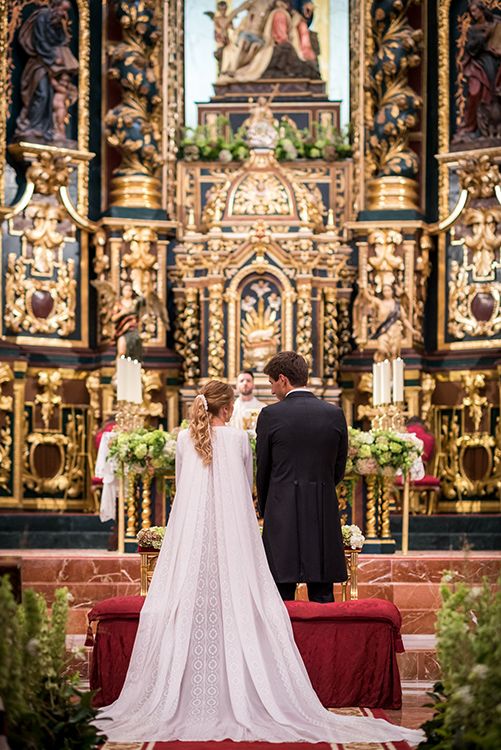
point(294, 390)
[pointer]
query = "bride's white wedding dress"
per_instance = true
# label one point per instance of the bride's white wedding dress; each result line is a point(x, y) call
point(214, 656)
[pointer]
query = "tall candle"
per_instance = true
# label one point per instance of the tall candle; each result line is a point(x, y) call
point(376, 384)
point(121, 379)
point(398, 380)
point(137, 388)
point(386, 382)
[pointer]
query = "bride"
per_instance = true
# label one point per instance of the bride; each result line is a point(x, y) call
point(214, 656)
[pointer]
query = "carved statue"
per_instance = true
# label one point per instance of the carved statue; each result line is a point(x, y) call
point(223, 26)
point(261, 126)
point(390, 318)
point(479, 62)
point(130, 315)
point(272, 41)
point(47, 90)
point(126, 319)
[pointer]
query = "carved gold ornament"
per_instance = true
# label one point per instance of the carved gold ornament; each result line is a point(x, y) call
point(50, 382)
point(474, 310)
point(6, 440)
point(484, 242)
point(40, 306)
point(473, 383)
point(384, 260)
point(49, 172)
point(479, 175)
point(67, 474)
point(261, 196)
point(140, 261)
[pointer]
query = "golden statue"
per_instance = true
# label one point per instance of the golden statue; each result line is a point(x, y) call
point(391, 320)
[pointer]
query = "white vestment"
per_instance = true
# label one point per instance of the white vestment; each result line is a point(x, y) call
point(242, 408)
point(214, 656)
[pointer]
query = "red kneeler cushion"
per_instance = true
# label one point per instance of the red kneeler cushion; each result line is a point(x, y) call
point(349, 649)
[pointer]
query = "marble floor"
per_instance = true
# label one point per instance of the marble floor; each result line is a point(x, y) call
point(414, 711)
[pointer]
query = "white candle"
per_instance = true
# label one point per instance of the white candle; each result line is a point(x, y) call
point(137, 390)
point(121, 379)
point(376, 384)
point(386, 382)
point(398, 380)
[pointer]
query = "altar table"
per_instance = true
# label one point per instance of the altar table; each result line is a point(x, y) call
point(349, 649)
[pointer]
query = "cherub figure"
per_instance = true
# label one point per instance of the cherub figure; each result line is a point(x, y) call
point(65, 94)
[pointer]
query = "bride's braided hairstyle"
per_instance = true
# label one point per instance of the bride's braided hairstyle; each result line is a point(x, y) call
point(211, 398)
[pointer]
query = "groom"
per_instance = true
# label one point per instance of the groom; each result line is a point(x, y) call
point(302, 445)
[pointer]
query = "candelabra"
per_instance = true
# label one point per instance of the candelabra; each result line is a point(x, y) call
point(130, 415)
point(388, 414)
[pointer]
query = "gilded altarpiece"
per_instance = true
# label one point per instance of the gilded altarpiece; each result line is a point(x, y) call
point(46, 419)
point(262, 266)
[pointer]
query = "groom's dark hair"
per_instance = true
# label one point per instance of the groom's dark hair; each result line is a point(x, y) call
point(290, 364)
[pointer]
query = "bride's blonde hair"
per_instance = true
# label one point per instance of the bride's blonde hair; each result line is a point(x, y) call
point(211, 398)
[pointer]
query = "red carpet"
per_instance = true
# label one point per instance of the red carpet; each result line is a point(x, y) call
point(228, 745)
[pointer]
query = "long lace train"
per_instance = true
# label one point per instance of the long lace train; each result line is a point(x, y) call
point(214, 656)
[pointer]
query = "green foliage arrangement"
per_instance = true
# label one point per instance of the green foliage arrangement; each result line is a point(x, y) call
point(43, 706)
point(207, 143)
point(467, 701)
point(381, 452)
point(143, 450)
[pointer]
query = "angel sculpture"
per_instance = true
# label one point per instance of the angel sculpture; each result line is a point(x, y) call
point(390, 318)
point(129, 315)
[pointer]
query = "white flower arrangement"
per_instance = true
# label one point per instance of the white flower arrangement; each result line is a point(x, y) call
point(352, 537)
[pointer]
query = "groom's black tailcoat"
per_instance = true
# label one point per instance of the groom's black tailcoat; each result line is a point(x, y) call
point(302, 445)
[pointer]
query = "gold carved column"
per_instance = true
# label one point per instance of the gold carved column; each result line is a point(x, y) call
point(215, 338)
point(392, 48)
point(304, 308)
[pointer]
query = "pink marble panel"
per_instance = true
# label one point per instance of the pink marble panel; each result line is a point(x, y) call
point(408, 665)
point(418, 570)
point(416, 595)
point(81, 569)
point(374, 569)
point(428, 666)
point(418, 621)
point(375, 591)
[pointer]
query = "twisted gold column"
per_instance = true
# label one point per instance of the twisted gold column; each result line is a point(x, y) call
point(146, 503)
point(216, 340)
point(131, 506)
point(304, 343)
point(371, 506)
point(331, 344)
point(387, 486)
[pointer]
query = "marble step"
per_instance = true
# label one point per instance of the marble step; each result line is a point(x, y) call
point(419, 662)
point(412, 582)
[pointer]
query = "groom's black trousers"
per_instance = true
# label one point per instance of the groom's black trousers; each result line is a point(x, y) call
point(317, 592)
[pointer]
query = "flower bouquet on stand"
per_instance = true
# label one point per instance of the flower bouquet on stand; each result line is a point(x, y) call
point(353, 541)
point(149, 544)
